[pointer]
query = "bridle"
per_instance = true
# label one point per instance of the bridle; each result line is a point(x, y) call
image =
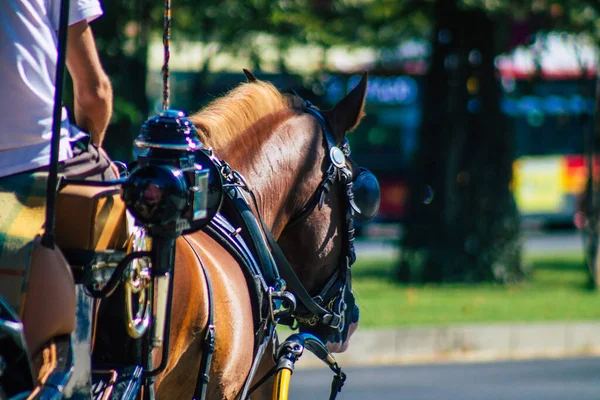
point(329, 305)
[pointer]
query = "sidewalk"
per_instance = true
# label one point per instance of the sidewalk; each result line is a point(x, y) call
point(462, 343)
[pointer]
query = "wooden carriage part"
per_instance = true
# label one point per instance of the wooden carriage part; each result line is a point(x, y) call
point(90, 218)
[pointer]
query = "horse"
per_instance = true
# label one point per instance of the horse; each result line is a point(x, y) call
point(279, 148)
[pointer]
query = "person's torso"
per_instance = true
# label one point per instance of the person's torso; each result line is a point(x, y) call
point(28, 56)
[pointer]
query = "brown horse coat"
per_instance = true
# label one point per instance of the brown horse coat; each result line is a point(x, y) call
point(233, 319)
point(279, 149)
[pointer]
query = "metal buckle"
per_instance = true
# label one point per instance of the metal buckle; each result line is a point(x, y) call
point(287, 307)
point(333, 320)
point(337, 317)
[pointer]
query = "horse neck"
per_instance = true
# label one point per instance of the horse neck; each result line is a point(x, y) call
point(276, 168)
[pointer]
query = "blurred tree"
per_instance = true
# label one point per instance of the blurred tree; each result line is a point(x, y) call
point(463, 224)
point(122, 36)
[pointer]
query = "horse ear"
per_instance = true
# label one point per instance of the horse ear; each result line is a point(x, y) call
point(249, 76)
point(346, 114)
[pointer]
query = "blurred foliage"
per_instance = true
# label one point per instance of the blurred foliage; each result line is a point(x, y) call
point(240, 27)
point(545, 15)
point(236, 26)
point(122, 35)
point(319, 22)
point(377, 23)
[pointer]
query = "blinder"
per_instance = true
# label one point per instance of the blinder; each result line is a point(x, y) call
point(363, 195)
point(367, 196)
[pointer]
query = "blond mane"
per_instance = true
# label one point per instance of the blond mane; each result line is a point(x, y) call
point(225, 119)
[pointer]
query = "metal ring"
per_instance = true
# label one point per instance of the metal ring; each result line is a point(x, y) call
point(337, 157)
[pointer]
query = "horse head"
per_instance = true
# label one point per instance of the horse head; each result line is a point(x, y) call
point(316, 238)
point(297, 162)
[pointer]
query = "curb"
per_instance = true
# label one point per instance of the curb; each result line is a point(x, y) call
point(466, 343)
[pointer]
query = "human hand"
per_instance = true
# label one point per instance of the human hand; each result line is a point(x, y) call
point(113, 167)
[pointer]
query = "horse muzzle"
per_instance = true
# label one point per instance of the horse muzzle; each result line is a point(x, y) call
point(338, 342)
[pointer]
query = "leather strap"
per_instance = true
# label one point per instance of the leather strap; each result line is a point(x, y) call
point(293, 282)
point(256, 285)
point(226, 232)
point(267, 263)
point(208, 346)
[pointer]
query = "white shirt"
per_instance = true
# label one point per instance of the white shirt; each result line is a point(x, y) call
point(28, 57)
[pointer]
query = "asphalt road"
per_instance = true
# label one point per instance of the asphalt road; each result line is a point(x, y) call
point(567, 241)
point(577, 379)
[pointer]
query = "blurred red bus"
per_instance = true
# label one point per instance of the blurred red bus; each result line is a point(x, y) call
point(548, 117)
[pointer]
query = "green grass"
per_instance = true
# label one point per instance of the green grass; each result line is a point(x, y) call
point(557, 291)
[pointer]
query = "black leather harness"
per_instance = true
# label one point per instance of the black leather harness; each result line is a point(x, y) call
point(265, 266)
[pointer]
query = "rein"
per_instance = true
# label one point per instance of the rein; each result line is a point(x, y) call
point(63, 25)
point(293, 282)
point(167, 53)
point(326, 316)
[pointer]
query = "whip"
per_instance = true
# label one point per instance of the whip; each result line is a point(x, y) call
point(48, 237)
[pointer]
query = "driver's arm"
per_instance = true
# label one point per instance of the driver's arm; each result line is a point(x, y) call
point(91, 86)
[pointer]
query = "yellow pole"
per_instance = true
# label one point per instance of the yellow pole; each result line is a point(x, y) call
point(282, 384)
